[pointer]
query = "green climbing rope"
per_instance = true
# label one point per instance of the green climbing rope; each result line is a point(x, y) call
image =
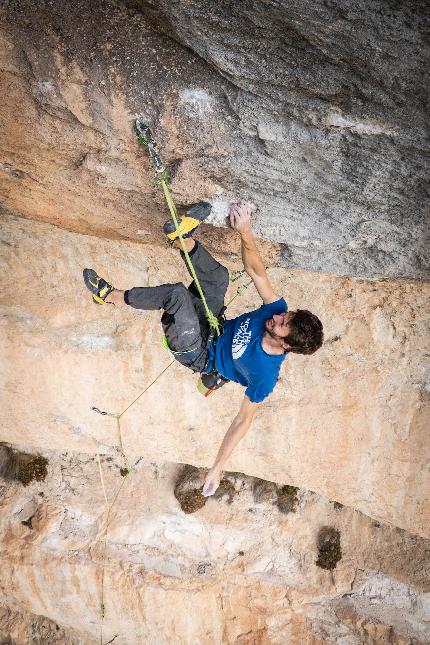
point(213, 322)
point(212, 319)
point(145, 136)
point(126, 470)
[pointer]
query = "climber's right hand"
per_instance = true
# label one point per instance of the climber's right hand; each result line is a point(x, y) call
point(240, 216)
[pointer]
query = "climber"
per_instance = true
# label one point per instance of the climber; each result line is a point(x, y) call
point(251, 347)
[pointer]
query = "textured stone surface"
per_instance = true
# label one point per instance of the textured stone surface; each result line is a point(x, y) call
point(236, 572)
point(331, 108)
point(20, 627)
point(314, 111)
point(350, 422)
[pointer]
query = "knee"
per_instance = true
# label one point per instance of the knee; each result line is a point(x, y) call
point(179, 291)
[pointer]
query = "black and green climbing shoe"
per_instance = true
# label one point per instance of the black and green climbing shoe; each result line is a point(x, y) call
point(196, 214)
point(98, 286)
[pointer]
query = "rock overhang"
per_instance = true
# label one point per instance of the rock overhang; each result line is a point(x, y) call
point(331, 147)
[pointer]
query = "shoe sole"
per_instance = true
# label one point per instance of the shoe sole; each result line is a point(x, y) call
point(196, 214)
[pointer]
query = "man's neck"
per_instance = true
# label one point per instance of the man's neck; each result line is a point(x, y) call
point(271, 345)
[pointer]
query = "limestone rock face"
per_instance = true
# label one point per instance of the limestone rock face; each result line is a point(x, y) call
point(20, 626)
point(315, 112)
point(350, 422)
point(235, 572)
point(330, 106)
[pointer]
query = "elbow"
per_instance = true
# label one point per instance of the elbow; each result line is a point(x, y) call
point(245, 415)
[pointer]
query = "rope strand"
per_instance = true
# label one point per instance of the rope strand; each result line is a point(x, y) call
point(212, 319)
point(213, 322)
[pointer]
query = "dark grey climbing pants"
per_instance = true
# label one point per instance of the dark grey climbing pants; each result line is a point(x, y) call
point(184, 321)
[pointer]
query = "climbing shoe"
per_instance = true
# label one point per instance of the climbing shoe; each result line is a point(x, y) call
point(196, 214)
point(98, 286)
point(208, 383)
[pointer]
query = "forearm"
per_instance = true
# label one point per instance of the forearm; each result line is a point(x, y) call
point(240, 219)
point(252, 262)
point(234, 434)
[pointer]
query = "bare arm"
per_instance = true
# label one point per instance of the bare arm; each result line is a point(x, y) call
point(237, 430)
point(240, 219)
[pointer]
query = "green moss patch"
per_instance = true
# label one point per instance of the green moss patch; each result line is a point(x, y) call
point(329, 550)
point(191, 500)
point(226, 487)
point(33, 469)
point(287, 499)
point(188, 489)
point(264, 492)
point(21, 466)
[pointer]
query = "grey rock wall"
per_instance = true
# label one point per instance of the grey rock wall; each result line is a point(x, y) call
point(316, 111)
point(330, 106)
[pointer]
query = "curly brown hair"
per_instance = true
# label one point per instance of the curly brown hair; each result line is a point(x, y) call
point(306, 334)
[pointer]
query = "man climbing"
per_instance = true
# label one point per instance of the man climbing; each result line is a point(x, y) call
point(250, 349)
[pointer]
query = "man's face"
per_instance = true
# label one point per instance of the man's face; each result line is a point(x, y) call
point(279, 324)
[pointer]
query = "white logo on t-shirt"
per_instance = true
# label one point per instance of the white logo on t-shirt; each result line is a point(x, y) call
point(241, 339)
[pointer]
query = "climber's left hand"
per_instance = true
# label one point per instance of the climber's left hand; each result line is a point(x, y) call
point(212, 482)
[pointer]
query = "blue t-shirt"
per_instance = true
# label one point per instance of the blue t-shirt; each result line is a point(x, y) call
point(240, 357)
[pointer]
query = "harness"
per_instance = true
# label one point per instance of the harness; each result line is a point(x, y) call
point(212, 380)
